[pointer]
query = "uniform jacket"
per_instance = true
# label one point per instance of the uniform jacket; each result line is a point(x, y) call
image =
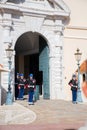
point(31, 85)
point(73, 84)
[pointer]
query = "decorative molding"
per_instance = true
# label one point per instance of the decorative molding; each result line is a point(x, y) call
point(61, 4)
point(75, 37)
point(63, 12)
point(76, 27)
point(3, 1)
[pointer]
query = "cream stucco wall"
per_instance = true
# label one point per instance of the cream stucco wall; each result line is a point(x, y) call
point(75, 36)
point(78, 12)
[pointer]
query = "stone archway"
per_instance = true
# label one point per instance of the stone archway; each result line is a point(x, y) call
point(48, 19)
point(32, 56)
point(54, 42)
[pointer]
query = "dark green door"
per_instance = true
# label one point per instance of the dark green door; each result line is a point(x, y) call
point(44, 66)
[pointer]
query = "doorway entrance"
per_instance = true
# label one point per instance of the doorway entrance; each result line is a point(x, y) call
point(32, 56)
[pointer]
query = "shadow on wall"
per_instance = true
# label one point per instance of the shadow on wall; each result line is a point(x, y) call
point(3, 96)
point(16, 1)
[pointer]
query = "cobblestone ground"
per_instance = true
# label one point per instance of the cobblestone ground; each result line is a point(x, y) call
point(53, 115)
point(57, 111)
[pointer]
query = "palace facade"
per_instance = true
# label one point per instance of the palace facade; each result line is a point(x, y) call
point(44, 35)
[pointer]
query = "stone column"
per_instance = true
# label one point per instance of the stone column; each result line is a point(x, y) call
point(56, 77)
point(7, 36)
point(6, 41)
point(1, 44)
point(7, 27)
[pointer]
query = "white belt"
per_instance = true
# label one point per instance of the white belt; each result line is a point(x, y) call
point(31, 86)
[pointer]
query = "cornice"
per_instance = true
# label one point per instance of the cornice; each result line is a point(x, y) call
point(22, 9)
point(61, 4)
point(75, 37)
point(76, 27)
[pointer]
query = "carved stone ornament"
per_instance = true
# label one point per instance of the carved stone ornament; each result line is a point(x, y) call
point(57, 2)
point(61, 3)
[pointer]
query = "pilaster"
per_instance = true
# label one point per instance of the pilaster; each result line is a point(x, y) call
point(7, 27)
point(56, 71)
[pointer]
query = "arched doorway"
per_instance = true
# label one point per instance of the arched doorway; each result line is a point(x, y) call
point(32, 56)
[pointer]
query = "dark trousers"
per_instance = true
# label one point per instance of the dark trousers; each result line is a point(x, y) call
point(74, 95)
point(21, 93)
point(30, 99)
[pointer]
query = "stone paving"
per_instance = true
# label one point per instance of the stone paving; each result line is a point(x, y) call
point(53, 114)
point(56, 111)
point(16, 114)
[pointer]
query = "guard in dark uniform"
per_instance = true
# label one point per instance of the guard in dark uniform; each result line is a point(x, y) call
point(73, 84)
point(31, 86)
point(21, 86)
point(16, 85)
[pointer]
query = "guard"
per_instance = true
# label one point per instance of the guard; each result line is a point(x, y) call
point(21, 87)
point(16, 85)
point(73, 83)
point(31, 86)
